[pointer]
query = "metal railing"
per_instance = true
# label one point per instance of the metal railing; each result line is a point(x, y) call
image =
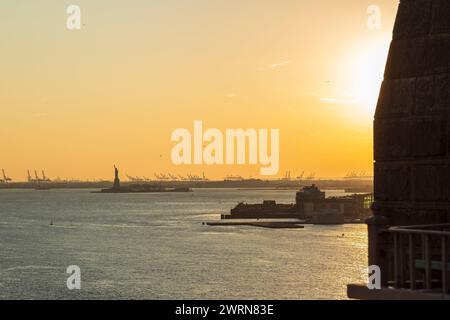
point(420, 257)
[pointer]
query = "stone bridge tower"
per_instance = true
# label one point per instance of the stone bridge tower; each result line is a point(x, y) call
point(412, 127)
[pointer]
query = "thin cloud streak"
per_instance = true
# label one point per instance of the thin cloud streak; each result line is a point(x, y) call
point(281, 64)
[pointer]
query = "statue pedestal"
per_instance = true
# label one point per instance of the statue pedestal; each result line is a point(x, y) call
point(116, 183)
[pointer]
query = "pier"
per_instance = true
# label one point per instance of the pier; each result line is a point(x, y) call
point(259, 224)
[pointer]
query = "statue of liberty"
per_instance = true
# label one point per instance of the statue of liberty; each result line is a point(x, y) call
point(116, 178)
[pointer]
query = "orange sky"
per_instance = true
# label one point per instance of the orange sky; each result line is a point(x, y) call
point(77, 102)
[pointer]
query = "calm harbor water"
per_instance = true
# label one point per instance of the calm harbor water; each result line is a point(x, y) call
point(154, 246)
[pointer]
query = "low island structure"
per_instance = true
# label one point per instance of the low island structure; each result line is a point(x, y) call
point(311, 206)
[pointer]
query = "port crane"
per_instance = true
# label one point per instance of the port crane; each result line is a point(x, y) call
point(354, 175)
point(161, 177)
point(234, 178)
point(287, 176)
point(5, 179)
point(312, 176)
point(44, 178)
point(134, 179)
point(30, 178)
point(197, 178)
point(172, 177)
point(300, 177)
point(36, 177)
point(137, 178)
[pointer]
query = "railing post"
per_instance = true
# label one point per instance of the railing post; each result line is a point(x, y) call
point(427, 258)
point(412, 265)
point(401, 261)
point(444, 264)
point(396, 261)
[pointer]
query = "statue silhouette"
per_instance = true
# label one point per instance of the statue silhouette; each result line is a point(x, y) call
point(116, 178)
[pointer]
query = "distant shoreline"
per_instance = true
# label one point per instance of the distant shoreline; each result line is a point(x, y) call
point(256, 185)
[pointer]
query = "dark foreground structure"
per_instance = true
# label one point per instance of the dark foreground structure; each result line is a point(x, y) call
point(410, 229)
